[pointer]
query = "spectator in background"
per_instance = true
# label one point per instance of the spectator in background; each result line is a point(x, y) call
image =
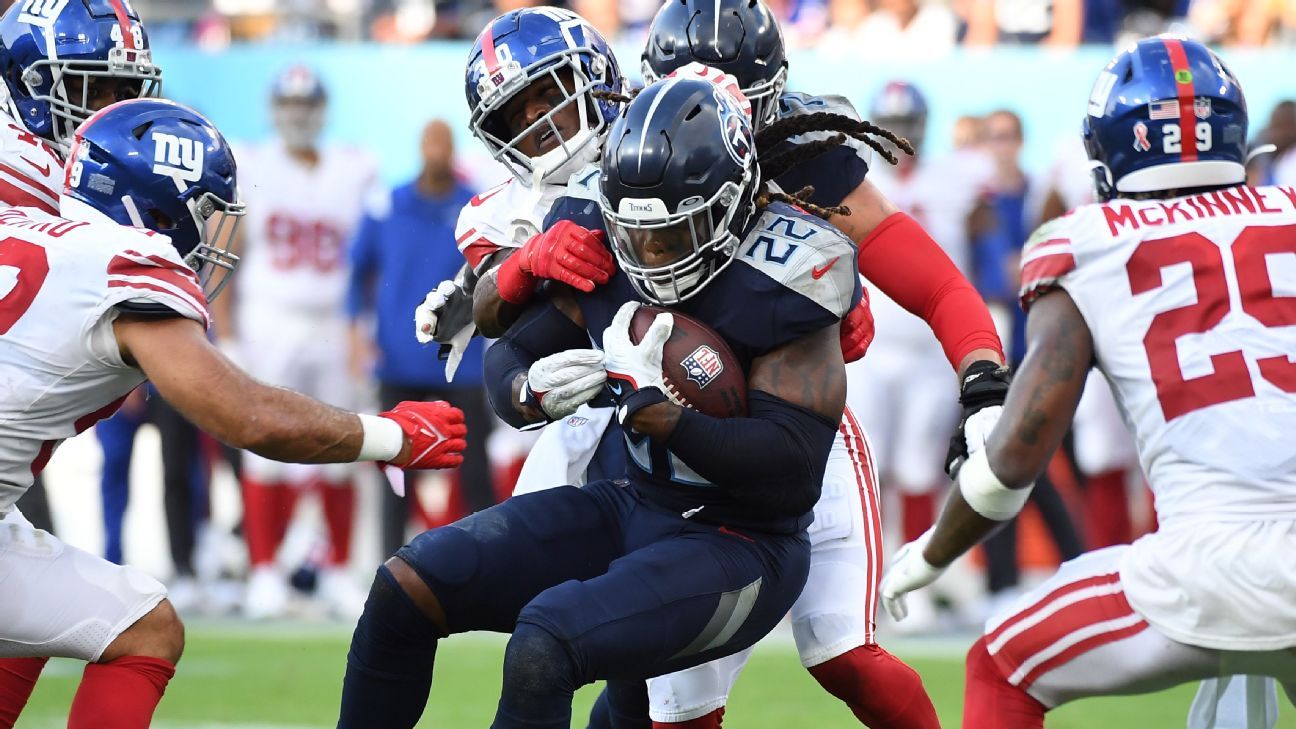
point(997, 256)
point(907, 30)
point(1058, 23)
point(1278, 168)
point(283, 318)
point(184, 484)
point(405, 245)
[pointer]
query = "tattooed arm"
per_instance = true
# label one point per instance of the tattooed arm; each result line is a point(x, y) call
point(1035, 418)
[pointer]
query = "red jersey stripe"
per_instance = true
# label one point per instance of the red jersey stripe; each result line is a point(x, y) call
point(10, 194)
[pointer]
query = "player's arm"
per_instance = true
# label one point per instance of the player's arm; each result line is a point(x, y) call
point(906, 264)
point(274, 422)
point(775, 457)
point(542, 368)
point(570, 251)
point(995, 482)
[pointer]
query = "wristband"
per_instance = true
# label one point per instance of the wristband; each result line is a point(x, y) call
point(636, 401)
point(985, 493)
point(529, 398)
point(383, 438)
point(514, 285)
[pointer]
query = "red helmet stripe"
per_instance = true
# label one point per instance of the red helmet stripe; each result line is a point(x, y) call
point(124, 21)
point(1184, 85)
point(488, 50)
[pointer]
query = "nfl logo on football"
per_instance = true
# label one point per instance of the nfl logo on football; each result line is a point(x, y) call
point(703, 366)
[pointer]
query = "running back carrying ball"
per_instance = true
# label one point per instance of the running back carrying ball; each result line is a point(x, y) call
point(699, 369)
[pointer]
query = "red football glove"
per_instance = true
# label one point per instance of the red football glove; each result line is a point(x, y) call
point(857, 330)
point(434, 434)
point(566, 252)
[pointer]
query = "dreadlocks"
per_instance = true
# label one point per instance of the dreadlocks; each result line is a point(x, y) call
point(773, 164)
point(774, 161)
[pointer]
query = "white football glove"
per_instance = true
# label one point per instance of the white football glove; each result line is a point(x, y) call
point(909, 571)
point(979, 425)
point(638, 366)
point(426, 313)
point(562, 382)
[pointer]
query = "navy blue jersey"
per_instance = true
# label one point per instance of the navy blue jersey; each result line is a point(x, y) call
point(794, 275)
point(834, 173)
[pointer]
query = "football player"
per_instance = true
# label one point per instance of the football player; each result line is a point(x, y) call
point(833, 621)
point(284, 320)
point(699, 548)
point(60, 63)
point(1171, 286)
point(112, 293)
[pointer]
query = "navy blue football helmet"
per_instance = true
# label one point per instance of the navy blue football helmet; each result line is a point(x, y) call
point(56, 54)
point(679, 178)
point(1165, 114)
point(533, 45)
point(902, 108)
point(159, 165)
point(740, 37)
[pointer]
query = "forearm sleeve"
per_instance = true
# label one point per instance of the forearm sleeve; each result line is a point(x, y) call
point(902, 260)
point(774, 459)
point(542, 330)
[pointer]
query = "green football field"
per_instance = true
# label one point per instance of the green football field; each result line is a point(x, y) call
point(289, 676)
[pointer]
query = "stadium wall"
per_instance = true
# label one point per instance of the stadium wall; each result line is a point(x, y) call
point(381, 95)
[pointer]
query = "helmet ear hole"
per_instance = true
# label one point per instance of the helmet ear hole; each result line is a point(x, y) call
point(161, 221)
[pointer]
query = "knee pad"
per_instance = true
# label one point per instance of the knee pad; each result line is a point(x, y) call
point(537, 662)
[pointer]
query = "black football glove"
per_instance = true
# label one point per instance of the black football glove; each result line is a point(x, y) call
point(985, 386)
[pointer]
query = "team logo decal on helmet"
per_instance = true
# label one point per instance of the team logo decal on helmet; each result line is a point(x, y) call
point(737, 134)
point(178, 157)
point(41, 12)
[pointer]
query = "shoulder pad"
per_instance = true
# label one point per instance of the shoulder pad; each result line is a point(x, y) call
point(579, 203)
point(805, 255)
point(1047, 257)
point(793, 103)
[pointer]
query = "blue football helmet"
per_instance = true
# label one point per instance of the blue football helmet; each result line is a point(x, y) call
point(739, 37)
point(902, 108)
point(55, 55)
point(535, 45)
point(679, 178)
point(156, 164)
point(298, 100)
point(1165, 114)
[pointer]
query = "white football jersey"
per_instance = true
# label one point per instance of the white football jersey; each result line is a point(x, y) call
point(31, 170)
point(506, 216)
point(298, 227)
point(940, 194)
point(1192, 306)
point(60, 368)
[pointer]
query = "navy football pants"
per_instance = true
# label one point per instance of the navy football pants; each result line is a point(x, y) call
point(629, 589)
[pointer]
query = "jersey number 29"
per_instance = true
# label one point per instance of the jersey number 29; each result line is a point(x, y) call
point(1231, 379)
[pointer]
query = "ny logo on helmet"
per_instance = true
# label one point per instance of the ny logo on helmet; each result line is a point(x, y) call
point(178, 157)
point(41, 12)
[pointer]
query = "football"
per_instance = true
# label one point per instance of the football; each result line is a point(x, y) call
point(700, 370)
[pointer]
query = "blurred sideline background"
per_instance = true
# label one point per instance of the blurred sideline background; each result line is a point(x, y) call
point(393, 66)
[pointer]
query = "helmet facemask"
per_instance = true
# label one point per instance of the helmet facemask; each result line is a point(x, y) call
point(216, 222)
point(704, 232)
point(576, 90)
point(69, 107)
point(764, 98)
